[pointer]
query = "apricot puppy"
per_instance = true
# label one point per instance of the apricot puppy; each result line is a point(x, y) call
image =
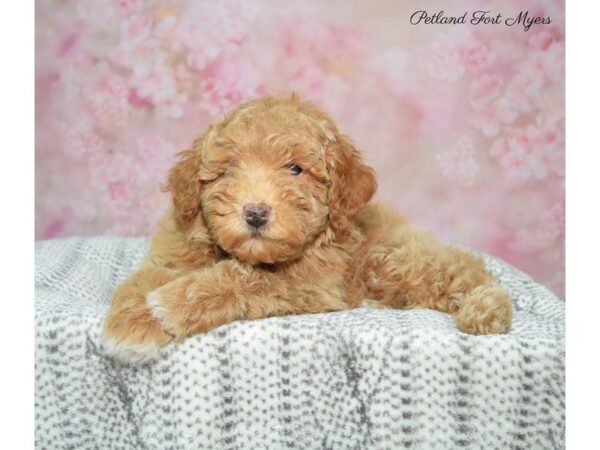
point(271, 217)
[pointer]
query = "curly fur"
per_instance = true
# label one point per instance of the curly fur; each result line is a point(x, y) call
point(325, 248)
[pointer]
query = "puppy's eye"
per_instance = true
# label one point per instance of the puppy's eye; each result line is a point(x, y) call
point(296, 170)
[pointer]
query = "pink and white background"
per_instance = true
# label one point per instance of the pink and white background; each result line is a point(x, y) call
point(463, 124)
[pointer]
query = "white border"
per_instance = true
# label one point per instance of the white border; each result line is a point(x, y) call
point(583, 225)
point(16, 242)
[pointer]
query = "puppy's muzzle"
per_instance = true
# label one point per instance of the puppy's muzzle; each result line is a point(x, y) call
point(256, 214)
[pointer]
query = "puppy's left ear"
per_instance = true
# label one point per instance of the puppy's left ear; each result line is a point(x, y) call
point(352, 184)
point(184, 184)
point(185, 180)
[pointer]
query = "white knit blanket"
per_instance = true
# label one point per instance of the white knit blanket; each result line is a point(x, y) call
point(360, 379)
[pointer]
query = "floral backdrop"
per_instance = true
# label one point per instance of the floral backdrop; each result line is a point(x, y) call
point(464, 124)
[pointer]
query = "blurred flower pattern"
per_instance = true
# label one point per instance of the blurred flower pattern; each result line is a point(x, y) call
point(464, 124)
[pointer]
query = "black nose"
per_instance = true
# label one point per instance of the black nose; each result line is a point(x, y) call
point(257, 214)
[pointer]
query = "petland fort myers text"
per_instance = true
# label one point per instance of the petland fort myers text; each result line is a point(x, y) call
point(523, 19)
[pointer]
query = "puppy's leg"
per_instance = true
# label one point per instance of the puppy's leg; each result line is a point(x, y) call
point(131, 334)
point(230, 291)
point(404, 267)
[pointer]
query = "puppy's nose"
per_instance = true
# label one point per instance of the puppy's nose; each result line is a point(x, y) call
point(257, 214)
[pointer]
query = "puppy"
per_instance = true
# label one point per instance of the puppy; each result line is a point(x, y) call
point(271, 216)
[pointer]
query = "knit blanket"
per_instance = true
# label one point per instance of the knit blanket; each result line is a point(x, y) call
point(359, 379)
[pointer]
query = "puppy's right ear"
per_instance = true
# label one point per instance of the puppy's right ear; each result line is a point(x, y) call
point(352, 185)
point(184, 184)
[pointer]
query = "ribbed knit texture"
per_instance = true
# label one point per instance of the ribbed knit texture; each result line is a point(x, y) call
point(360, 379)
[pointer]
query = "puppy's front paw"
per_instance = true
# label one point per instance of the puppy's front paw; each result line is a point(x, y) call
point(176, 307)
point(133, 338)
point(484, 310)
point(129, 352)
point(190, 305)
point(161, 311)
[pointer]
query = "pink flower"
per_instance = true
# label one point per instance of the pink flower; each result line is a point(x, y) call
point(446, 66)
point(490, 118)
point(539, 75)
point(172, 108)
point(524, 89)
point(128, 5)
point(219, 95)
point(114, 176)
point(534, 151)
point(227, 86)
point(179, 34)
point(75, 61)
point(167, 31)
point(203, 31)
point(58, 226)
point(108, 97)
point(68, 43)
point(486, 121)
point(154, 156)
point(122, 178)
point(500, 148)
point(458, 164)
point(156, 85)
point(145, 58)
point(552, 223)
point(541, 41)
point(135, 30)
point(547, 64)
point(159, 87)
point(521, 161)
point(137, 101)
point(311, 52)
point(549, 139)
point(506, 110)
point(80, 139)
point(513, 154)
point(477, 57)
point(189, 32)
point(456, 51)
point(445, 59)
point(95, 11)
point(483, 90)
point(200, 56)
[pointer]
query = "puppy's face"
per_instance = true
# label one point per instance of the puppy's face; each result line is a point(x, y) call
point(270, 180)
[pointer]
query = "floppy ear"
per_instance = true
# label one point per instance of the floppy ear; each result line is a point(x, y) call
point(184, 184)
point(352, 185)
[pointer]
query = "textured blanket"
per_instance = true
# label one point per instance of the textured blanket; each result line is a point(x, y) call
point(360, 379)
